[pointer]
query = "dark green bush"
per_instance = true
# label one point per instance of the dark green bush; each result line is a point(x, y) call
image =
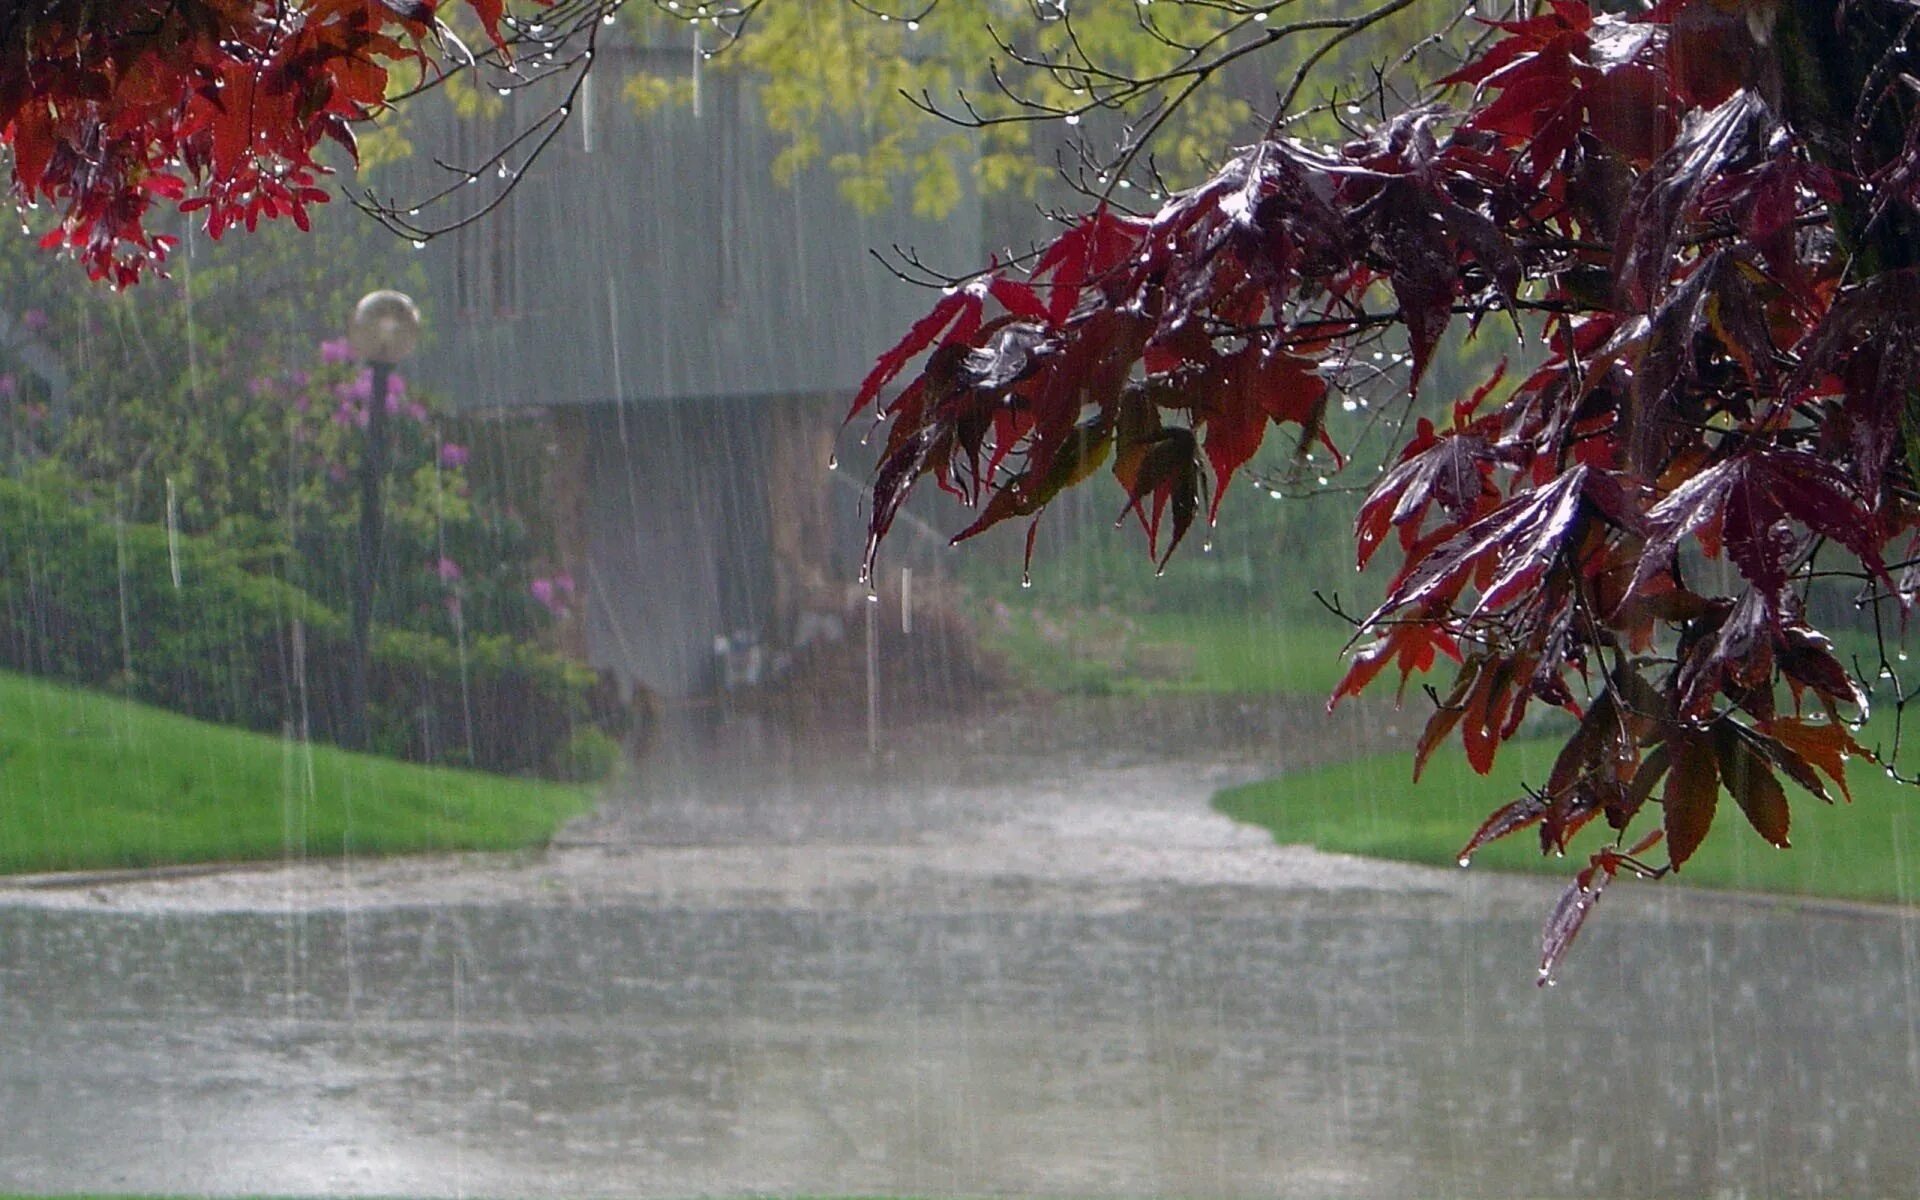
point(93, 601)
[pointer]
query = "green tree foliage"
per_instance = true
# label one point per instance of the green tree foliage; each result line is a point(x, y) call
point(1018, 83)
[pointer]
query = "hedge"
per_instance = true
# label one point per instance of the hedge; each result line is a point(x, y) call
point(88, 600)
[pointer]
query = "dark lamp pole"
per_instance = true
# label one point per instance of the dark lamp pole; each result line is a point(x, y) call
point(383, 331)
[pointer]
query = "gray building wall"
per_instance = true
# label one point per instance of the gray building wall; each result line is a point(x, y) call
point(653, 258)
point(678, 549)
point(653, 281)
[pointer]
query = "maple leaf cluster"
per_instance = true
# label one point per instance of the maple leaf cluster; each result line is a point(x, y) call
point(1703, 213)
point(109, 111)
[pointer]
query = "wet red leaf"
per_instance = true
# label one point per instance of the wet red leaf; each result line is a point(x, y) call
point(1693, 787)
point(1749, 780)
point(110, 111)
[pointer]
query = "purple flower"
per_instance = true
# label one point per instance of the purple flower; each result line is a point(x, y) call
point(260, 385)
point(298, 379)
point(8, 385)
point(334, 351)
point(35, 320)
point(452, 455)
point(417, 412)
point(447, 569)
point(553, 593)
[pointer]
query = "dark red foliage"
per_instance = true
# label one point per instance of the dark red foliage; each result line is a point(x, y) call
point(1706, 214)
point(216, 106)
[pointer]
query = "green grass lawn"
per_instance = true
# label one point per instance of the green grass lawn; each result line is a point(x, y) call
point(91, 781)
point(1104, 652)
point(1868, 850)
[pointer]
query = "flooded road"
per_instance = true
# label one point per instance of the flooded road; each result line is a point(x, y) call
point(825, 979)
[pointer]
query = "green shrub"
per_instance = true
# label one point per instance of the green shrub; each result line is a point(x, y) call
point(90, 600)
point(588, 756)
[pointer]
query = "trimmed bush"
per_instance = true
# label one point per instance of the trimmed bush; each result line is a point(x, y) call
point(185, 626)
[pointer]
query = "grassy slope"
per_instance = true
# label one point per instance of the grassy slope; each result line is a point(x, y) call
point(1869, 850)
point(1104, 653)
point(90, 781)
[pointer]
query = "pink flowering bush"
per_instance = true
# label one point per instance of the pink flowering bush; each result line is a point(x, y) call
point(555, 593)
point(246, 425)
point(459, 560)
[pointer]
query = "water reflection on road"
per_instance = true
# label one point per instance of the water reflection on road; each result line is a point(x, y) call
point(940, 1025)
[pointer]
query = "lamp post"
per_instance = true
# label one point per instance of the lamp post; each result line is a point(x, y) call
point(383, 331)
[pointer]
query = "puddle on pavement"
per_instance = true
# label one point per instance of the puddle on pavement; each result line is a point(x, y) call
point(1189, 1051)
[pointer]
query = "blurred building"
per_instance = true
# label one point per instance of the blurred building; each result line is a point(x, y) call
point(693, 330)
